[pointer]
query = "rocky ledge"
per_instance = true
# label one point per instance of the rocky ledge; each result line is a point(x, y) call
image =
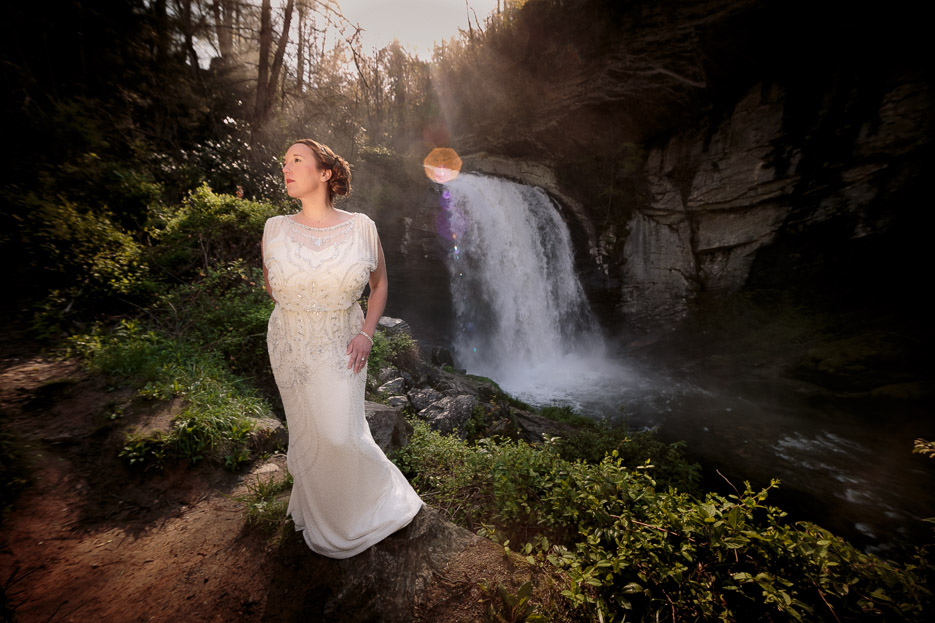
point(450, 401)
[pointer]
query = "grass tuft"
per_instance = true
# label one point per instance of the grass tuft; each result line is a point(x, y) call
point(266, 502)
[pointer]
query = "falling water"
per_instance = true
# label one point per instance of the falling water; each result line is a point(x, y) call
point(522, 318)
point(523, 321)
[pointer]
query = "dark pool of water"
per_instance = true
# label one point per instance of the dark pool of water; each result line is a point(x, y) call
point(844, 464)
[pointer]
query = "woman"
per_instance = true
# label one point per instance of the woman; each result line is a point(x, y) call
point(346, 494)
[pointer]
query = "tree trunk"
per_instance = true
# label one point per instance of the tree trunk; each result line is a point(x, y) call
point(268, 75)
point(188, 30)
point(224, 25)
point(283, 40)
point(162, 32)
point(300, 61)
point(262, 78)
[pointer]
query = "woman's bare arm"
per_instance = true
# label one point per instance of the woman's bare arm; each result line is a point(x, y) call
point(359, 347)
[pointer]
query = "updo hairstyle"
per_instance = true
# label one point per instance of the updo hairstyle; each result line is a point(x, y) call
point(340, 182)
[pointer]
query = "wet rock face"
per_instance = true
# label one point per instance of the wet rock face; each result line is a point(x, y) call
point(762, 164)
point(721, 196)
point(717, 197)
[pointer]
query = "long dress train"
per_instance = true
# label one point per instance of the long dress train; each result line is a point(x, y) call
point(346, 494)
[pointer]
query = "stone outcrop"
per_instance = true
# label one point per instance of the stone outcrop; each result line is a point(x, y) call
point(398, 401)
point(384, 583)
point(269, 435)
point(532, 428)
point(466, 407)
point(423, 397)
point(393, 325)
point(450, 414)
point(442, 357)
point(722, 194)
point(393, 387)
point(753, 164)
point(387, 425)
point(715, 201)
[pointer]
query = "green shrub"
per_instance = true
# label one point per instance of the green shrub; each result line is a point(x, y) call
point(378, 354)
point(448, 474)
point(671, 468)
point(206, 231)
point(265, 505)
point(85, 259)
point(192, 339)
point(504, 606)
point(398, 350)
point(219, 420)
point(592, 440)
point(566, 415)
point(226, 310)
point(633, 551)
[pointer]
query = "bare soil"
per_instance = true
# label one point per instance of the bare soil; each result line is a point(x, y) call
point(89, 539)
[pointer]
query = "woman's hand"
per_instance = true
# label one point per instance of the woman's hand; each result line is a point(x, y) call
point(358, 349)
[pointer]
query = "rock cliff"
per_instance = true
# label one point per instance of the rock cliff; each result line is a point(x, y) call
point(774, 146)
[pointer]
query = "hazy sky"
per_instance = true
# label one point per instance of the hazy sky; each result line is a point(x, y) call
point(418, 24)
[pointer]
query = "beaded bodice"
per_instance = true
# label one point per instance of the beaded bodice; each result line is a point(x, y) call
point(316, 275)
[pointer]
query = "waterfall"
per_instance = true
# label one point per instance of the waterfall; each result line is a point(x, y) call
point(522, 317)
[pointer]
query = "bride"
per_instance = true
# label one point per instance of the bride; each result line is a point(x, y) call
point(346, 494)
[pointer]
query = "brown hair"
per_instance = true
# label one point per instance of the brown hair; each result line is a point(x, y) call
point(340, 182)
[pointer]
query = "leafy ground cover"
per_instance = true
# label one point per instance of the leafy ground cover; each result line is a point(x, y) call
point(200, 334)
point(632, 550)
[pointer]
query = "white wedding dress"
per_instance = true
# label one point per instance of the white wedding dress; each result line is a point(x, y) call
point(346, 494)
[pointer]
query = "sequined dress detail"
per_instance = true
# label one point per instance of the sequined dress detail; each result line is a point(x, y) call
point(346, 494)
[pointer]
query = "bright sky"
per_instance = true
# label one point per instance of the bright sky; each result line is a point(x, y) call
point(418, 24)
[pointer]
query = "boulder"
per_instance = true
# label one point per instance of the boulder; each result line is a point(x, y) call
point(387, 425)
point(393, 387)
point(450, 414)
point(457, 383)
point(269, 435)
point(428, 375)
point(384, 583)
point(533, 427)
point(398, 402)
point(391, 326)
point(421, 398)
point(441, 356)
point(387, 374)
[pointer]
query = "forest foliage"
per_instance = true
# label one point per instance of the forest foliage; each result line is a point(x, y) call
point(128, 105)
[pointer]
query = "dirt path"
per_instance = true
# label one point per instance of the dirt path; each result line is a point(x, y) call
point(91, 540)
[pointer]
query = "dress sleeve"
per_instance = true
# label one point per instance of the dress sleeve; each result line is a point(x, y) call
point(267, 232)
point(371, 243)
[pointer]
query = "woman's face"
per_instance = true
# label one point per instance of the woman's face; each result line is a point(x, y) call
point(301, 172)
